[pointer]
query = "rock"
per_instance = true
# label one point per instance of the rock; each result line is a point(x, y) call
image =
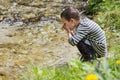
point(65, 1)
point(1, 18)
point(5, 3)
point(2, 72)
point(30, 15)
point(34, 19)
point(4, 26)
point(2, 8)
point(43, 23)
point(8, 21)
point(37, 4)
point(17, 24)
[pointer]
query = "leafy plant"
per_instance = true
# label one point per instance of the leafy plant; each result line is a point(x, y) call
point(76, 70)
point(93, 7)
point(110, 19)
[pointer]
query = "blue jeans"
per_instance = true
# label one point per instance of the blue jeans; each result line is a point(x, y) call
point(86, 50)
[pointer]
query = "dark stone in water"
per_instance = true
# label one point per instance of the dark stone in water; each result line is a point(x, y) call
point(8, 21)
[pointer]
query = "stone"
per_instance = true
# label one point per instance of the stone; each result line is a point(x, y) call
point(1, 18)
point(2, 7)
point(30, 15)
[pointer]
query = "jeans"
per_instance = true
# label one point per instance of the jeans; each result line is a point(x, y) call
point(86, 50)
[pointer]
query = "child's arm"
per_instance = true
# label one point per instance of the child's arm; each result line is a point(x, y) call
point(67, 30)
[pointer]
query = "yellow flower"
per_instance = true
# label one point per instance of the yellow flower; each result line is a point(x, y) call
point(118, 62)
point(91, 77)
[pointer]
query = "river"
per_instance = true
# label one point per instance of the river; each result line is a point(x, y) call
point(30, 33)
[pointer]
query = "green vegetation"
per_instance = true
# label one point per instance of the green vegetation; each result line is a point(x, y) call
point(75, 70)
point(107, 14)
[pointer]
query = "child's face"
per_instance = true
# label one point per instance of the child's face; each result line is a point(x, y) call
point(68, 24)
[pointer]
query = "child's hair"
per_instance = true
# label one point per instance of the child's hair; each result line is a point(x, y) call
point(69, 13)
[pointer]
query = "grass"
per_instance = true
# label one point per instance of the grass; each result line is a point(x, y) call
point(75, 70)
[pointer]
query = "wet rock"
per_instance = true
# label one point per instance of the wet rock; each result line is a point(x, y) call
point(30, 15)
point(8, 21)
point(4, 31)
point(2, 8)
point(42, 23)
point(5, 3)
point(18, 24)
point(35, 19)
point(24, 2)
point(37, 4)
point(61, 1)
point(17, 17)
point(1, 18)
point(2, 12)
point(66, 1)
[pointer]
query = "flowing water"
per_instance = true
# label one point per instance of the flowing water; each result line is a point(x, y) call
point(30, 34)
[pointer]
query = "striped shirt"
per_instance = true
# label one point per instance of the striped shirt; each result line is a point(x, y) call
point(88, 29)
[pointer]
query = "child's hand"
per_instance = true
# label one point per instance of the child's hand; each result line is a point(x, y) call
point(70, 34)
point(66, 28)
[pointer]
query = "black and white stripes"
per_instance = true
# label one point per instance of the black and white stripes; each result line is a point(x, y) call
point(90, 30)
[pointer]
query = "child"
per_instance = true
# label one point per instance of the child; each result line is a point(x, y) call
point(85, 34)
